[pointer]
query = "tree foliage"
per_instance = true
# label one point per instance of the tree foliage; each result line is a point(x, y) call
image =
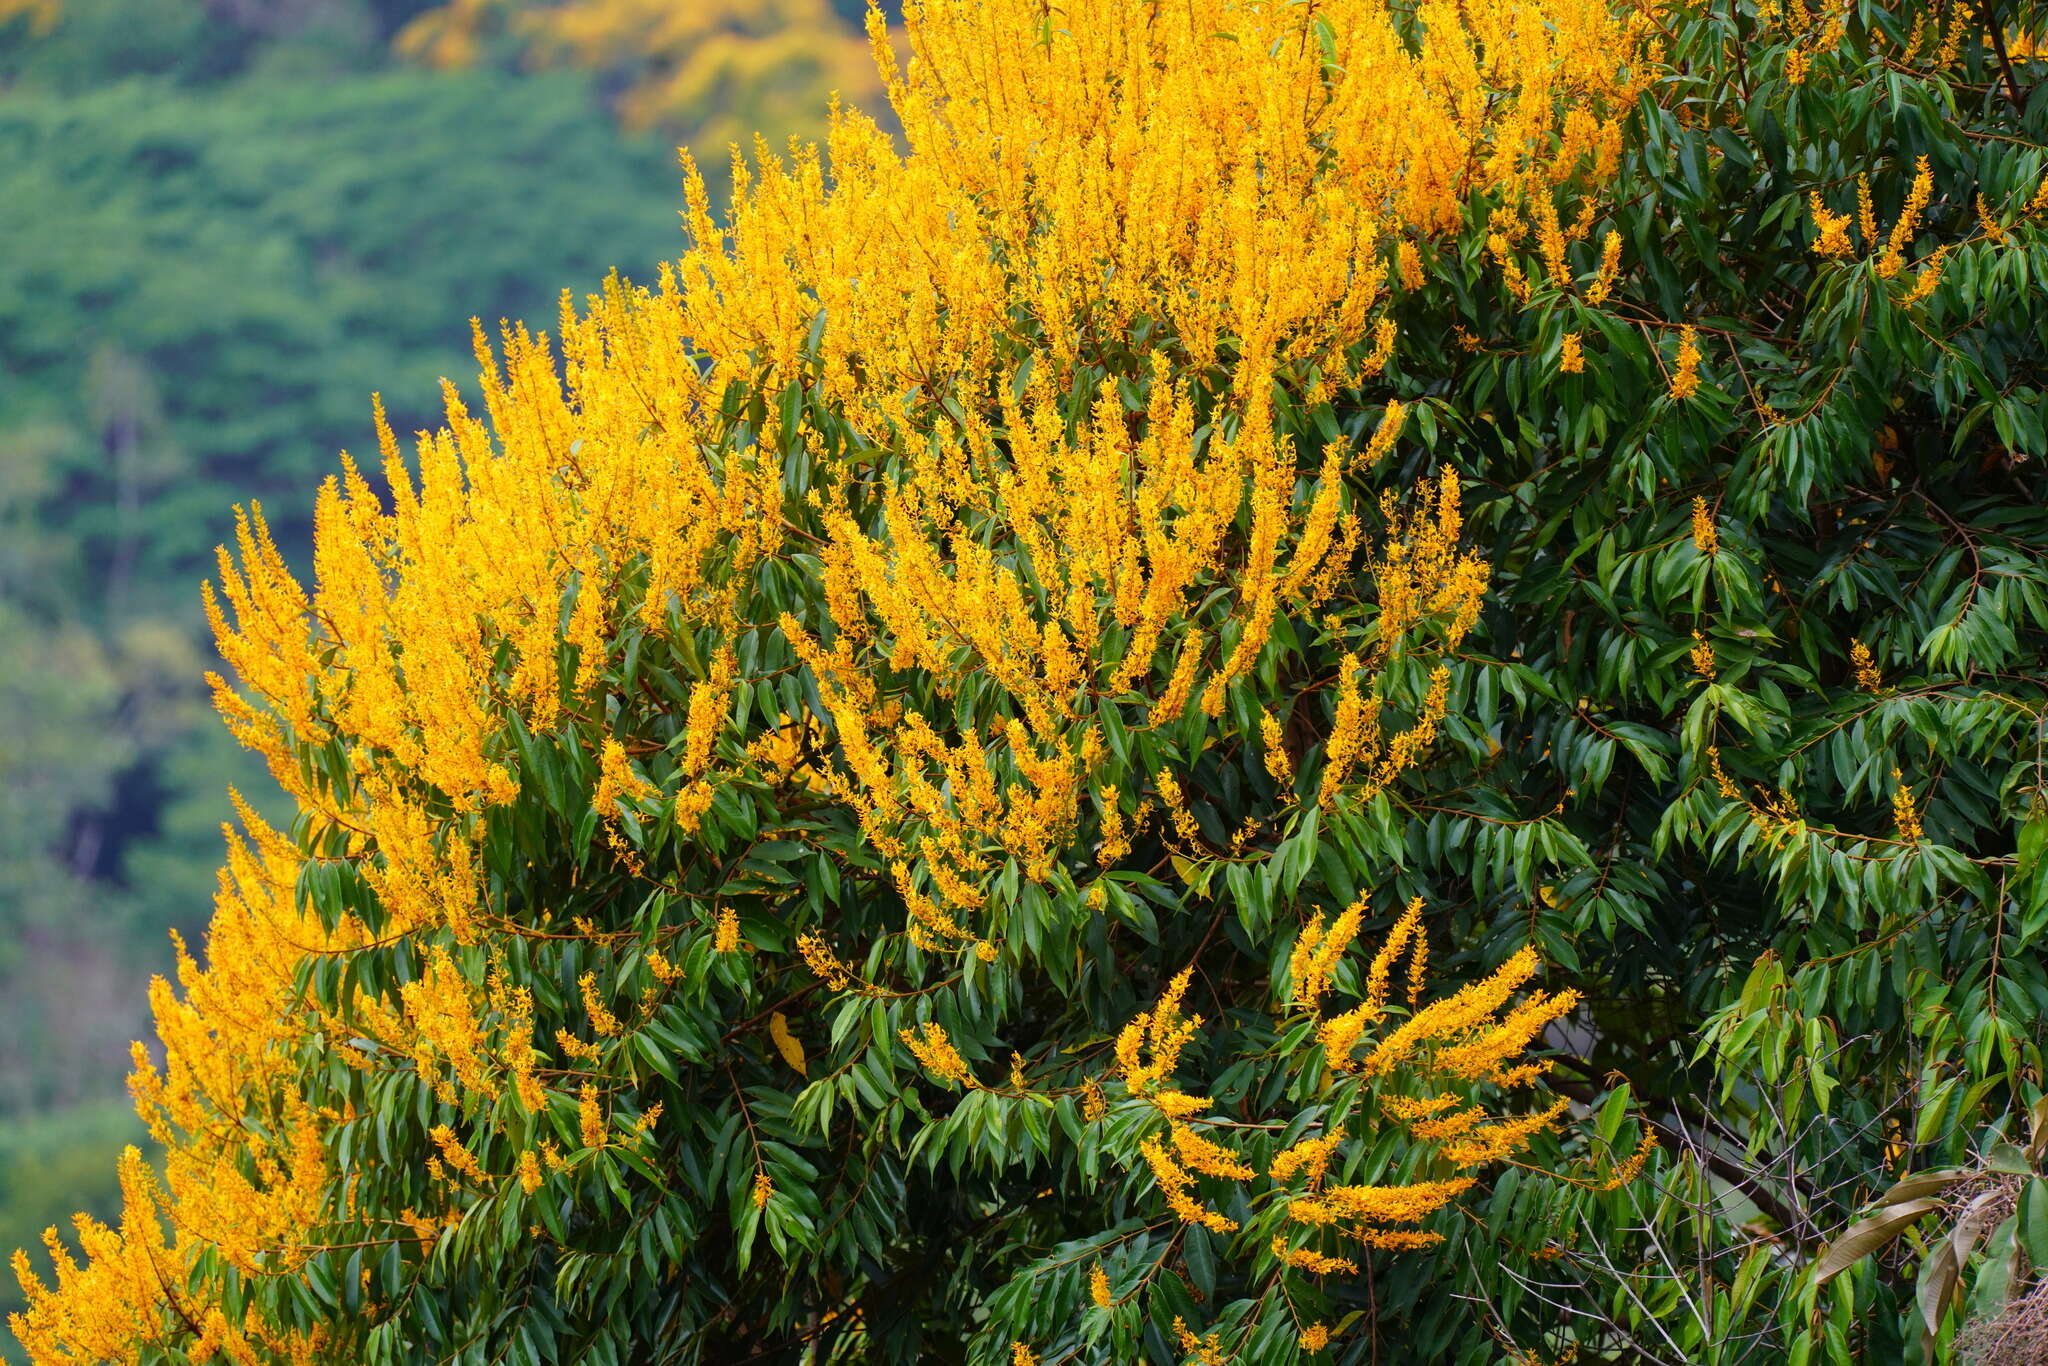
point(1517, 482)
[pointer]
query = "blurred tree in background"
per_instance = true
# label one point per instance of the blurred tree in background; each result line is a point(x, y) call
point(713, 72)
point(226, 223)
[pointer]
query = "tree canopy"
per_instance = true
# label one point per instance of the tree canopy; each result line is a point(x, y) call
point(1320, 671)
point(220, 236)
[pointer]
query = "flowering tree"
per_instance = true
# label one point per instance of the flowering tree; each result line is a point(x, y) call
point(853, 809)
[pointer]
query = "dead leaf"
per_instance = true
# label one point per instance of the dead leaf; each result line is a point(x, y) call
point(786, 1044)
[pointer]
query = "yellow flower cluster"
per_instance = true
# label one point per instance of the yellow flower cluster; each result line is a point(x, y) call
point(1206, 1348)
point(1893, 257)
point(1477, 1036)
point(1308, 1156)
point(726, 937)
point(1905, 815)
point(110, 1307)
point(1702, 656)
point(1685, 370)
point(1706, 537)
point(671, 64)
point(1309, 1260)
point(1474, 1036)
point(441, 1026)
point(1631, 1167)
point(1571, 356)
point(936, 1054)
point(1319, 949)
point(1340, 1034)
point(1831, 229)
point(1149, 1047)
point(1327, 130)
point(602, 1021)
point(1238, 188)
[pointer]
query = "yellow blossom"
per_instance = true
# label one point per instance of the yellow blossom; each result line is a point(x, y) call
point(1571, 359)
point(1702, 656)
point(1705, 537)
point(601, 1018)
point(1893, 257)
point(1905, 815)
point(936, 1054)
point(1609, 272)
point(1831, 229)
point(1685, 371)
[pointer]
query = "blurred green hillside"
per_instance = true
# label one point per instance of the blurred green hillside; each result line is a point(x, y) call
point(223, 224)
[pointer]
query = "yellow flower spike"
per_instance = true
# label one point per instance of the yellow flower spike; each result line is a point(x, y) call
point(1901, 236)
point(1831, 230)
point(824, 963)
point(1571, 358)
point(1410, 262)
point(1199, 1154)
point(1905, 815)
point(1307, 1156)
point(1206, 1348)
point(936, 1054)
point(726, 937)
point(1609, 271)
point(1685, 370)
point(1179, 1105)
point(1175, 1184)
point(1705, 537)
point(454, 1154)
point(1928, 279)
point(602, 1020)
point(1702, 656)
point(1632, 1166)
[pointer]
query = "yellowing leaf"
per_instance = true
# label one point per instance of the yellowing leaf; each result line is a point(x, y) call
point(785, 1043)
point(1868, 1235)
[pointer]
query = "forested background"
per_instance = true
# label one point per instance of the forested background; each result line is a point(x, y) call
point(223, 224)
